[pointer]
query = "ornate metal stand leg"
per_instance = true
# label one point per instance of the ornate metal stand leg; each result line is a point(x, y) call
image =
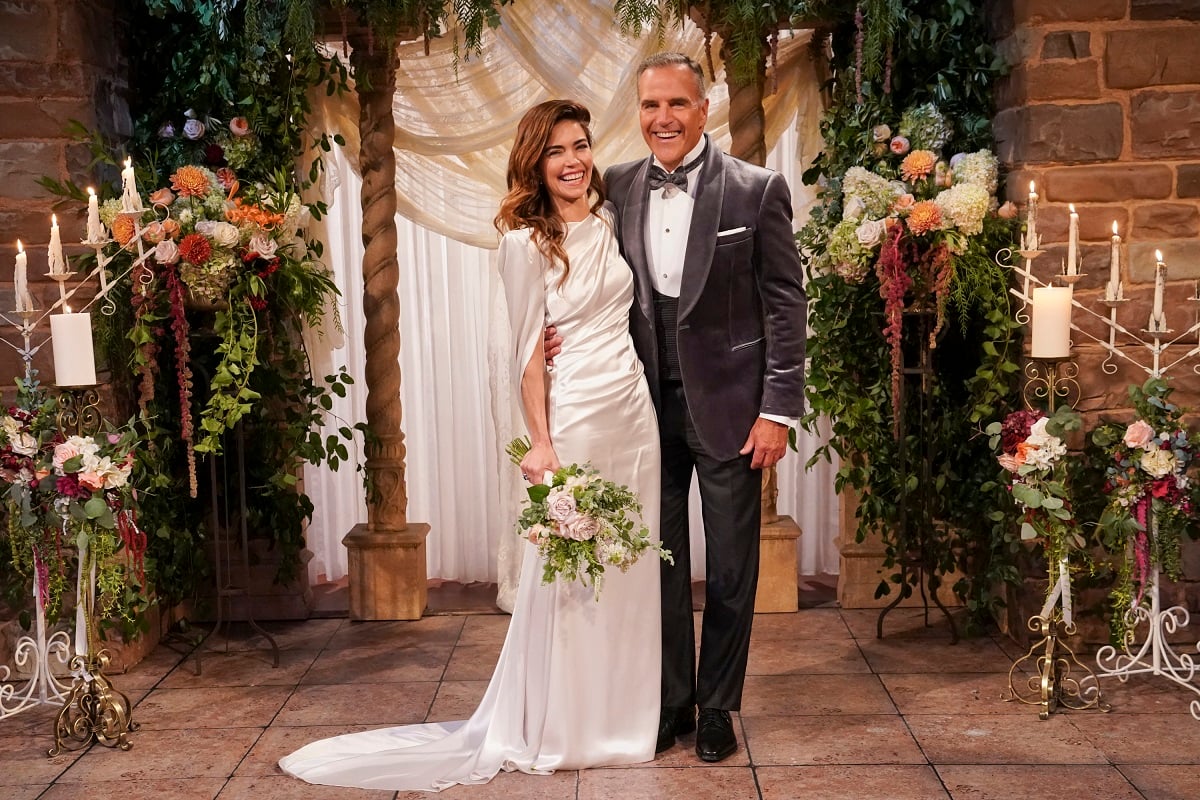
point(1155, 656)
point(1053, 684)
point(35, 655)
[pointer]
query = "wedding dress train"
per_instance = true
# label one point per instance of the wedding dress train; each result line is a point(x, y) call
point(577, 681)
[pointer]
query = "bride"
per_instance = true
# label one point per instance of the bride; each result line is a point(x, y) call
point(577, 682)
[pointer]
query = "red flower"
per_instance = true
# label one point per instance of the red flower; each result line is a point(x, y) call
point(227, 178)
point(195, 249)
point(1161, 487)
point(258, 303)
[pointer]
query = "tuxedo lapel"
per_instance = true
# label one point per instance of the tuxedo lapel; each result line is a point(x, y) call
point(633, 237)
point(702, 237)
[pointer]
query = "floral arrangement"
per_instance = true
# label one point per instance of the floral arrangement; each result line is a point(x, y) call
point(583, 524)
point(63, 492)
point(1149, 493)
point(218, 246)
point(1031, 448)
point(908, 216)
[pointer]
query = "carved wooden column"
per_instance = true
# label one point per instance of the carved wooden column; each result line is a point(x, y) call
point(386, 555)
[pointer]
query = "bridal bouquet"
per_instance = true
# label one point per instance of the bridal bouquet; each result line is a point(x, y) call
point(1149, 492)
point(582, 524)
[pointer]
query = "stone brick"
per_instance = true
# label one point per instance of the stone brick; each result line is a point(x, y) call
point(22, 163)
point(1067, 44)
point(1165, 221)
point(1165, 124)
point(41, 80)
point(1135, 59)
point(45, 119)
point(86, 31)
point(1039, 133)
point(1182, 257)
point(1107, 184)
point(1095, 222)
point(1164, 9)
point(27, 37)
point(1078, 80)
point(27, 223)
point(1026, 11)
point(1188, 180)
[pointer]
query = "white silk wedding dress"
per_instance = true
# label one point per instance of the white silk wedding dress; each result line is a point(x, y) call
point(577, 683)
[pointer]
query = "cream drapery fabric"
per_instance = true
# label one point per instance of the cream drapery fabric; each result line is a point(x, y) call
point(453, 135)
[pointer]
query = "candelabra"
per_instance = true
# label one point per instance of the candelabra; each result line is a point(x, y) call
point(1050, 380)
point(1147, 349)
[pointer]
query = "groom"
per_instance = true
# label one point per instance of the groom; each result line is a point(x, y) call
point(719, 322)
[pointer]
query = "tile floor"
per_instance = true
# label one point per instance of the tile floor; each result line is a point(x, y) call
point(829, 712)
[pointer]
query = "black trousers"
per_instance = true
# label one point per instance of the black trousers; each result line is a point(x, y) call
point(730, 494)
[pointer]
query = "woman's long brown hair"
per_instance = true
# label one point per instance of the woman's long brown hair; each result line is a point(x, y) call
point(527, 203)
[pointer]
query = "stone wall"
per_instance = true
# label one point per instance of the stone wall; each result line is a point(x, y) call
point(60, 60)
point(1102, 109)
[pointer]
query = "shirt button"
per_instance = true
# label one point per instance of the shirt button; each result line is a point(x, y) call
point(664, 274)
point(668, 230)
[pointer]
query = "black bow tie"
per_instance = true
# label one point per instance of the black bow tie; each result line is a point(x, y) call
point(659, 177)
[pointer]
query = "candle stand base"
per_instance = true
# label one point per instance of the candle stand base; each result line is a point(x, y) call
point(94, 710)
point(1053, 684)
point(37, 656)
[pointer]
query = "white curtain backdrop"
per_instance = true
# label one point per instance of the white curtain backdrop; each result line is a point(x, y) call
point(452, 145)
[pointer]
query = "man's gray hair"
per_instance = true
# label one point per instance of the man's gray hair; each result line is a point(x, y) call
point(674, 59)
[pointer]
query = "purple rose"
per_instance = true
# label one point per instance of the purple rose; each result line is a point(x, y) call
point(582, 527)
point(166, 131)
point(193, 129)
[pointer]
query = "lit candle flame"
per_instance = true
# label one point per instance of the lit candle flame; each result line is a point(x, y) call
point(1031, 187)
point(1158, 256)
point(91, 190)
point(1071, 206)
point(53, 220)
point(128, 163)
point(20, 248)
point(1114, 227)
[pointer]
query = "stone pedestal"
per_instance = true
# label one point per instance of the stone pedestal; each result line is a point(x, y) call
point(387, 572)
point(860, 567)
point(777, 584)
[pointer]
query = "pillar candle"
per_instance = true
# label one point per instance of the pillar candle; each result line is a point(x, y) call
point(1051, 322)
point(95, 228)
point(131, 201)
point(1073, 242)
point(21, 280)
point(58, 263)
point(74, 362)
point(1031, 241)
point(1157, 320)
point(1114, 290)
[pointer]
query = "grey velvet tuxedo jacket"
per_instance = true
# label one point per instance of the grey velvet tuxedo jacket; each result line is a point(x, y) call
point(742, 306)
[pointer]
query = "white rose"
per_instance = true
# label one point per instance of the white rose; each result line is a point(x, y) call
point(854, 208)
point(10, 425)
point(582, 527)
point(264, 245)
point(24, 444)
point(226, 234)
point(166, 252)
point(1155, 462)
point(871, 232)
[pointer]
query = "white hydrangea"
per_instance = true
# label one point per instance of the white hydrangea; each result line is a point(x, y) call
point(963, 206)
point(874, 191)
point(980, 168)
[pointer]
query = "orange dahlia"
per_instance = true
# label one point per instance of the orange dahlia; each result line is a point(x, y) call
point(189, 181)
point(195, 249)
point(917, 165)
point(924, 217)
point(123, 229)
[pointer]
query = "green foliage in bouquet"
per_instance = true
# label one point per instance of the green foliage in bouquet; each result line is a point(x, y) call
point(911, 88)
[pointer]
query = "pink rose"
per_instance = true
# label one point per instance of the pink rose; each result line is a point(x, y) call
point(560, 504)
point(1007, 211)
point(162, 197)
point(904, 202)
point(900, 145)
point(166, 252)
point(1139, 435)
point(63, 453)
point(239, 126)
point(582, 527)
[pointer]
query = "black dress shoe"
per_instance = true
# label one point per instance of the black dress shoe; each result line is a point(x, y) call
point(673, 721)
point(715, 740)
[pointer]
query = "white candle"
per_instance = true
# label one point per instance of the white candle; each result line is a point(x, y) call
point(95, 228)
point(1158, 322)
point(1051, 322)
point(131, 201)
point(1073, 242)
point(21, 280)
point(71, 336)
point(1031, 239)
point(58, 263)
point(1114, 290)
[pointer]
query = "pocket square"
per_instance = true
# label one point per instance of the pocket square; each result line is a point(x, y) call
point(731, 231)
